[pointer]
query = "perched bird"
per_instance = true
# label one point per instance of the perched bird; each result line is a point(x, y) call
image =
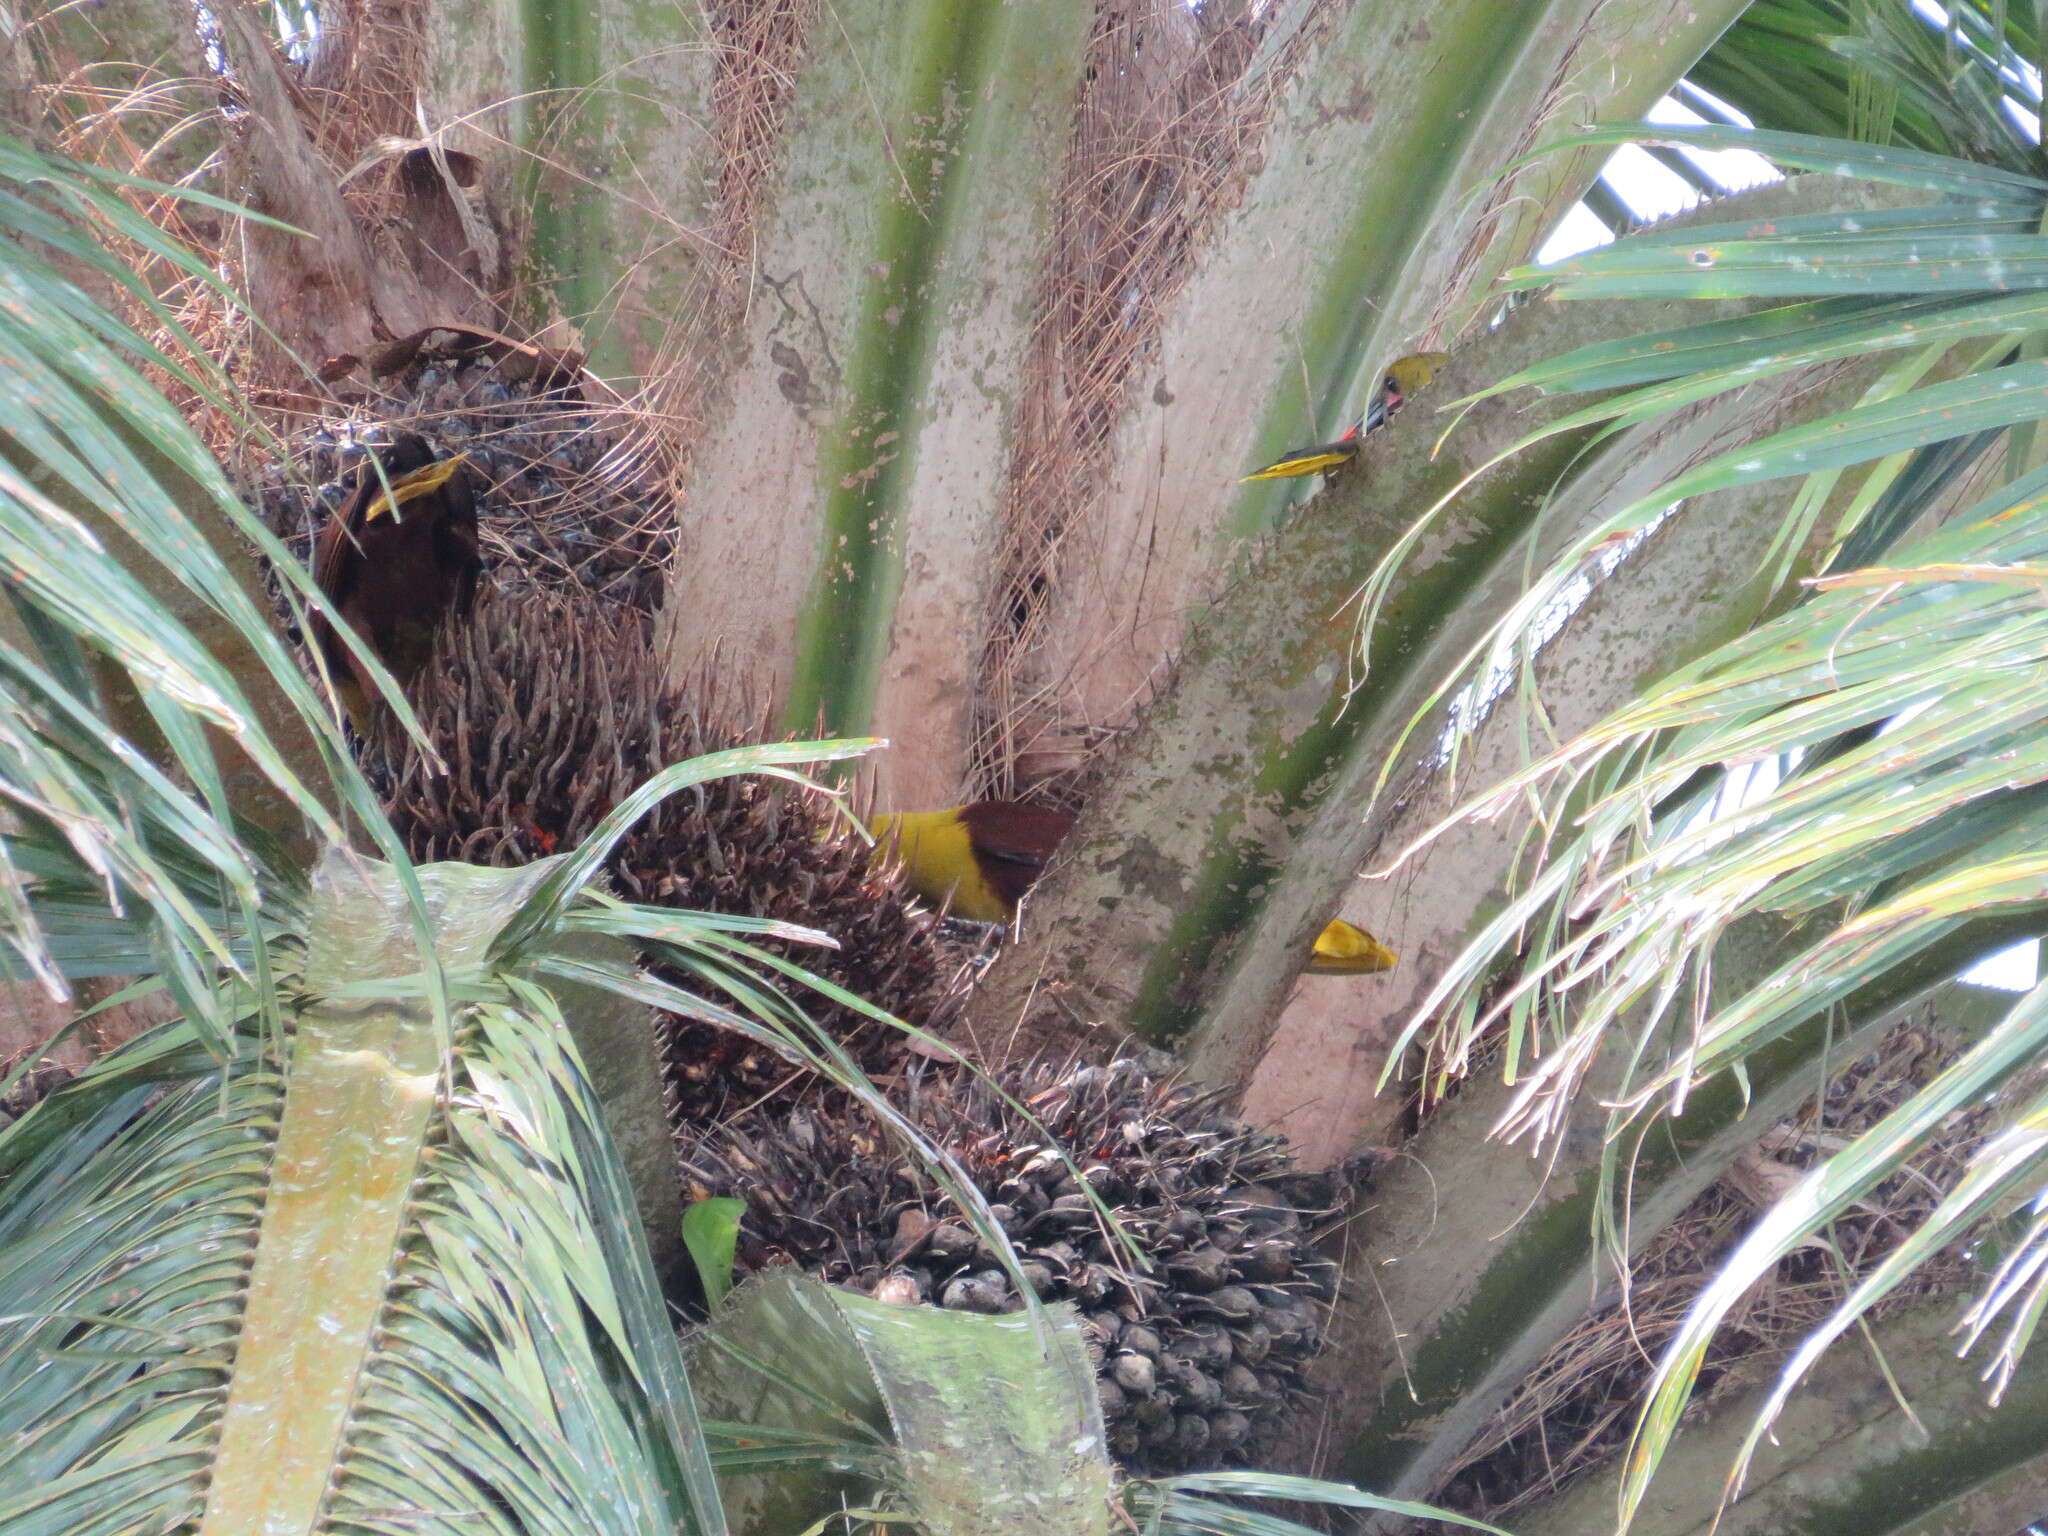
point(1343, 949)
point(985, 856)
point(400, 555)
point(1404, 376)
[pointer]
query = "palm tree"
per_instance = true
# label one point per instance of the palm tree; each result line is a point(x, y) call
point(958, 401)
point(348, 1240)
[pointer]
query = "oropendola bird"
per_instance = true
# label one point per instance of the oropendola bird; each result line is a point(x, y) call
point(985, 856)
point(400, 554)
point(1405, 375)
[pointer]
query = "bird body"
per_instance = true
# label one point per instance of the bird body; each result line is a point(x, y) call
point(400, 555)
point(983, 857)
point(1404, 376)
point(1343, 949)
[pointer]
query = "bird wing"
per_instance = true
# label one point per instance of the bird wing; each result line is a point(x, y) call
point(1011, 843)
point(456, 541)
point(341, 557)
point(336, 564)
point(1013, 832)
point(338, 555)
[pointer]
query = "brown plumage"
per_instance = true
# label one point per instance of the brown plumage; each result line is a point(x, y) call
point(400, 556)
point(1013, 842)
point(981, 858)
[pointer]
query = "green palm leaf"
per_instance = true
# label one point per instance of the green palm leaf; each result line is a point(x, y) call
point(348, 1243)
point(347, 1275)
point(1888, 73)
point(109, 513)
point(1862, 774)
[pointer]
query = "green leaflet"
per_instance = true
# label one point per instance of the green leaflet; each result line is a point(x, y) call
point(1840, 157)
point(384, 1269)
point(711, 1232)
point(994, 1419)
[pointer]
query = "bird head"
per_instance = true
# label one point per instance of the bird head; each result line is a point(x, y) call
point(405, 470)
point(1406, 375)
point(406, 452)
point(1403, 377)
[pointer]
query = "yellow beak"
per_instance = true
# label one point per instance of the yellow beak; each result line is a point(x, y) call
point(421, 482)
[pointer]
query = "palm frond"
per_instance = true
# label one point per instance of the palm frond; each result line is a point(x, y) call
point(366, 1273)
point(2014, 1161)
point(1862, 774)
point(1210, 1504)
point(960, 1425)
point(1885, 73)
point(1936, 283)
point(963, 1424)
point(110, 510)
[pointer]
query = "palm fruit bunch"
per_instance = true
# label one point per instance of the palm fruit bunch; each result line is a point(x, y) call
point(564, 499)
point(1202, 1341)
point(547, 710)
point(550, 702)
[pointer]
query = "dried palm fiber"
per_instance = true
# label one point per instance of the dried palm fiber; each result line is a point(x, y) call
point(757, 49)
point(1575, 1410)
point(1173, 103)
point(1200, 1359)
point(157, 118)
point(360, 75)
point(547, 711)
point(760, 47)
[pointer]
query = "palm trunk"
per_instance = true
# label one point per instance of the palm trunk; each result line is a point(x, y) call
point(846, 485)
point(1232, 822)
point(1382, 213)
point(1885, 1440)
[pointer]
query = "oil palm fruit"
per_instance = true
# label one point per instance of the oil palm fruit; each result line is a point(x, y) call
point(983, 857)
point(395, 561)
point(1404, 376)
point(546, 709)
point(1200, 1361)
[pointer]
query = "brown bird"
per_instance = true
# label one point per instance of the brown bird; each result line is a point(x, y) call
point(985, 856)
point(400, 555)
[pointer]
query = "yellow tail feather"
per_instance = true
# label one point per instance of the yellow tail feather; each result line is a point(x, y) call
point(1307, 464)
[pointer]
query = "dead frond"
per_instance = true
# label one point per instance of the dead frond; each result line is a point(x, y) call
point(1575, 1411)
